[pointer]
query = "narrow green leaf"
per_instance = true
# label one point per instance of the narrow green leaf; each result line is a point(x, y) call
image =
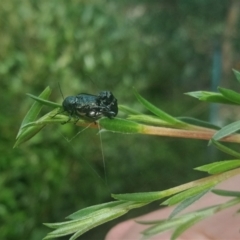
point(189, 193)
point(27, 134)
point(44, 101)
point(128, 110)
point(187, 202)
point(150, 222)
point(226, 193)
point(230, 95)
point(234, 201)
point(237, 74)
point(41, 122)
point(67, 228)
point(173, 223)
point(218, 167)
point(120, 125)
point(180, 224)
point(24, 134)
point(89, 210)
point(148, 119)
point(52, 117)
point(182, 228)
point(227, 130)
point(30, 129)
point(96, 222)
point(210, 97)
point(91, 217)
point(225, 149)
point(162, 226)
point(34, 110)
point(198, 122)
point(158, 112)
point(198, 215)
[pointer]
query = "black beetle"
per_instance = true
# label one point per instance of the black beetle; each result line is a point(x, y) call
point(91, 106)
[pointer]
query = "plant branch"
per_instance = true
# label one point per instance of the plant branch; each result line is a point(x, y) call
point(180, 133)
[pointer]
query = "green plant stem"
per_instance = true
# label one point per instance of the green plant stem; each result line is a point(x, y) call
point(215, 178)
point(202, 133)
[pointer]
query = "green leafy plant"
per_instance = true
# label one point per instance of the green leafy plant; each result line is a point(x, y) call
point(158, 123)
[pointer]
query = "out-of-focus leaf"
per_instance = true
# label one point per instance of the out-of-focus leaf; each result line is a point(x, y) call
point(218, 167)
point(237, 74)
point(91, 217)
point(227, 130)
point(183, 222)
point(210, 97)
point(226, 193)
point(189, 193)
point(187, 202)
point(163, 226)
point(225, 149)
point(128, 110)
point(81, 226)
point(183, 227)
point(89, 210)
point(230, 95)
point(198, 122)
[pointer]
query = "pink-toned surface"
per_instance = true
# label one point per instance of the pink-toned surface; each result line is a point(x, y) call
point(224, 225)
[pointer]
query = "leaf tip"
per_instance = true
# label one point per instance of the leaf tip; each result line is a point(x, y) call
point(210, 143)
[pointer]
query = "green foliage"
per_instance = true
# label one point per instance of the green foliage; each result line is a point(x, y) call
point(218, 167)
point(225, 149)
point(119, 45)
point(182, 223)
point(86, 219)
point(159, 113)
point(89, 218)
point(25, 134)
point(227, 130)
point(212, 97)
point(187, 202)
point(29, 127)
point(226, 193)
point(237, 74)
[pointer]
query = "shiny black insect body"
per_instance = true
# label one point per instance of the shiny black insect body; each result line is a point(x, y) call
point(91, 106)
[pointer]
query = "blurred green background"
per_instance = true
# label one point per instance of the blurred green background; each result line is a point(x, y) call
point(162, 48)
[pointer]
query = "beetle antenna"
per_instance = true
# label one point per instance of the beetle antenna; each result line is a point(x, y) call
point(103, 157)
point(86, 162)
point(69, 140)
point(60, 90)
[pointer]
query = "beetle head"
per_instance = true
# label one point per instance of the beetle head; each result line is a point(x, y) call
point(69, 104)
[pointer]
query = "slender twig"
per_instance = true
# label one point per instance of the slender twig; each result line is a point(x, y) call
point(180, 133)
